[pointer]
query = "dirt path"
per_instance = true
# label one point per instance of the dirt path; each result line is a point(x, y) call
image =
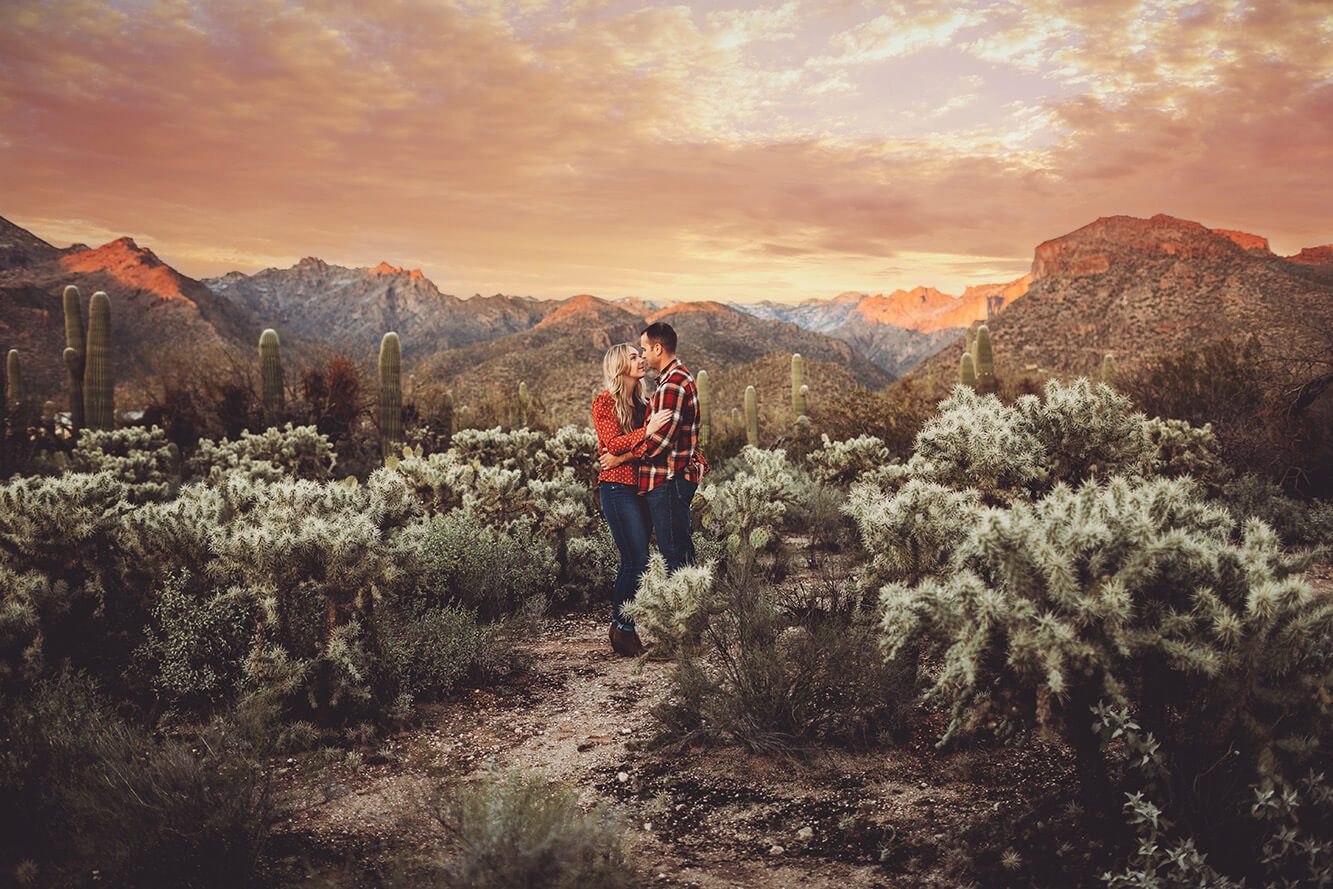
point(891, 816)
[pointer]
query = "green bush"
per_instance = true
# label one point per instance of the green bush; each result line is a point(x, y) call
point(77, 782)
point(430, 650)
point(456, 558)
point(516, 830)
point(774, 679)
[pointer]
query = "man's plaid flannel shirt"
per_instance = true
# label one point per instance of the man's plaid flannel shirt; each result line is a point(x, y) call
point(674, 449)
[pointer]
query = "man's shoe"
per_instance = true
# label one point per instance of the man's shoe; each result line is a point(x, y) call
point(626, 643)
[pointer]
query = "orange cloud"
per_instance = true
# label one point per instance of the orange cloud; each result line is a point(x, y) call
point(659, 151)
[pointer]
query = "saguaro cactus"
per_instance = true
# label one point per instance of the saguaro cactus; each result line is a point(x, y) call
point(13, 380)
point(735, 418)
point(970, 341)
point(523, 403)
point(751, 416)
point(391, 395)
point(1108, 369)
point(967, 371)
point(270, 374)
point(985, 362)
point(797, 385)
point(705, 408)
point(99, 388)
point(75, 346)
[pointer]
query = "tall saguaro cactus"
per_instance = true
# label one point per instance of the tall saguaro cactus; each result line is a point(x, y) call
point(1108, 369)
point(967, 372)
point(985, 362)
point(798, 389)
point(705, 408)
point(75, 350)
point(270, 374)
point(391, 395)
point(99, 387)
point(751, 416)
point(13, 381)
point(523, 404)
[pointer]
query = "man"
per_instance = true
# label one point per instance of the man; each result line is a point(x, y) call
point(671, 463)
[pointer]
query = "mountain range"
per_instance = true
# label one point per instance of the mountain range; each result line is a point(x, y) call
point(1134, 287)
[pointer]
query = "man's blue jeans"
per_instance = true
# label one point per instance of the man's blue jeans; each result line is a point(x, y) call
point(669, 506)
point(627, 514)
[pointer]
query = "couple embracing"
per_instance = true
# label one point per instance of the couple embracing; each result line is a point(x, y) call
point(651, 463)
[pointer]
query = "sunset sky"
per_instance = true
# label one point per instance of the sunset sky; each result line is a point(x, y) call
point(727, 150)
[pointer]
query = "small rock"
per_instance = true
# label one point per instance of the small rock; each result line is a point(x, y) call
point(626, 731)
point(648, 826)
point(775, 850)
point(805, 834)
point(622, 777)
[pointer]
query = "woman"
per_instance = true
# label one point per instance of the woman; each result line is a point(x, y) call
point(618, 416)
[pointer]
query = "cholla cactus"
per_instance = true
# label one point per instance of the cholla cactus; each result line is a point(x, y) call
point(391, 395)
point(270, 372)
point(913, 534)
point(747, 510)
point(76, 346)
point(1136, 594)
point(705, 408)
point(977, 442)
point(798, 390)
point(751, 417)
point(1177, 449)
point(967, 374)
point(1085, 431)
point(843, 462)
point(271, 455)
point(143, 459)
point(99, 386)
point(672, 609)
point(1075, 432)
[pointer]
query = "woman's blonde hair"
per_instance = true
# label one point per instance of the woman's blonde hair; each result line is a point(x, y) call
point(627, 392)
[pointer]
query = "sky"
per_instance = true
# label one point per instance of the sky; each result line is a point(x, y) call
point(722, 150)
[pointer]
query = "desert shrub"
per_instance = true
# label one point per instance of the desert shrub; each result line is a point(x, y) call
point(1138, 594)
point(519, 830)
point(1181, 449)
point(1299, 522)
point(593, 562)
point(912, 534)
point(295, 451)
point(77, 780)
point(843, 462)
point(430, 649)
point(818, 512)
point(775, 679)
point(195, 644)
point(458, 559)
point(144, 459)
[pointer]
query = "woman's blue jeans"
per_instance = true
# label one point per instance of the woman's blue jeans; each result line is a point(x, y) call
point(627, 514)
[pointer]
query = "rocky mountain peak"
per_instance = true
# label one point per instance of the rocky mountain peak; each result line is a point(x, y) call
point(1245, 240)
point(1116, 240)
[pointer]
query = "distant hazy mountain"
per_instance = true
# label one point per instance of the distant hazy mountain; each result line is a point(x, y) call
point(898, 330)
point(351, 308)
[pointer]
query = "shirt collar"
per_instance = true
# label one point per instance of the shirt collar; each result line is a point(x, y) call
point(666, 371)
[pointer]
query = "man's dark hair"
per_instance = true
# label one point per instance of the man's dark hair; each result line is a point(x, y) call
point(663, 334)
